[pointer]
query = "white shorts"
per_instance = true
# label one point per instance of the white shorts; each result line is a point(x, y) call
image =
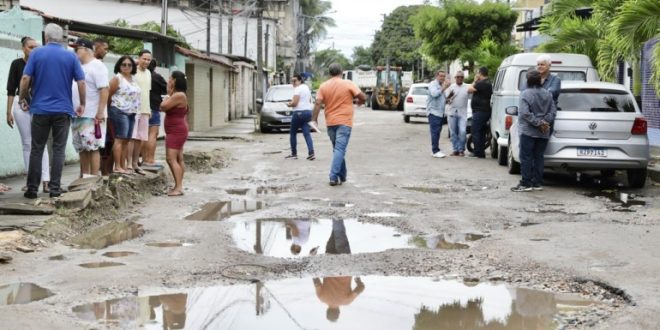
point(141, 127)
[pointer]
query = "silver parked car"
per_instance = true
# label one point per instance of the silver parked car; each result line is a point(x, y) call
point(598, 127)
point(274, 112)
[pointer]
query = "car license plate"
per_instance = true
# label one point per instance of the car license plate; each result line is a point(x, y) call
point(591, 152)
point(286, 120)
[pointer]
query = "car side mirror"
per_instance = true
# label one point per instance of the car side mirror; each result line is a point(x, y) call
point(512, 110)
point(260, 101)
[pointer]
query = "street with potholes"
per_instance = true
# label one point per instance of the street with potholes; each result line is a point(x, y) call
point(408, 242)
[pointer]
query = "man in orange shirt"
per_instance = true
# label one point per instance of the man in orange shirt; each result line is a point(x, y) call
point(337, 95)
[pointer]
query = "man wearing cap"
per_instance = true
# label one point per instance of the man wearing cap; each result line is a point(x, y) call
point(50, 70)
point(86, 140)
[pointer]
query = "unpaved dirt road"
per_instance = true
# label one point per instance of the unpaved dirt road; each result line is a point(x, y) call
point(431, 227)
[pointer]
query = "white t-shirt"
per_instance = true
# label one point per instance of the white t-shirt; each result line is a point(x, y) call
point(96, 77)
point(304, 227)
point(305, 100)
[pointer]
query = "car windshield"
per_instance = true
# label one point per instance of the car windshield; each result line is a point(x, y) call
point(563, 75)
point(420, 91)
point(282, 94)
point(595, 100)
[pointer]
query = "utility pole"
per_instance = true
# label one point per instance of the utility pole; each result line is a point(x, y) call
point(266, 51)
point(220, 12)
point(163, 19)
point(245, 40)
point(260, 54)
point(208, 29)
point(230, 28)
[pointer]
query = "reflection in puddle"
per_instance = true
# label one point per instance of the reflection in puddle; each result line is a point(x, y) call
point(224, 209)
point(118, 254)
point(624, 200)
point(22, 293)
point(261, 190)
point(108, 234)
point(103, 264)
point(304, 237)
point(455, 241)
point(342, 302)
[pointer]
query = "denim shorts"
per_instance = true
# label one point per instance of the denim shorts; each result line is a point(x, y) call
point(122, 122)
point(154, 120)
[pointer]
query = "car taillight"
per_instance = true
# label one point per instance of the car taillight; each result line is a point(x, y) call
point(409, 99)
point(639, 126)
point(508, 121)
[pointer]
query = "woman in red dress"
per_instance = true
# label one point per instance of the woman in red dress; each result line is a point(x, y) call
point(175, 105)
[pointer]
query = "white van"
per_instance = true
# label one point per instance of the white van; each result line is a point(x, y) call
point(511, 77)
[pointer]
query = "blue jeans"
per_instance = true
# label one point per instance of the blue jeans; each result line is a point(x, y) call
point(339, 136)
point(435, 124)
point(478, 131)
point(457, 127)
point(300, 119)
point(531, 160)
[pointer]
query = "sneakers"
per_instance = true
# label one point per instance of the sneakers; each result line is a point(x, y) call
point(335, 183)
point(311, 157)
point(30, 195)
point(537, 187)
point(439, 154)
point(292, 157)
point(521, 188)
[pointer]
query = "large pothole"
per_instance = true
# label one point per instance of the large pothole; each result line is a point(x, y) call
point(220, 210)
point(22, 293)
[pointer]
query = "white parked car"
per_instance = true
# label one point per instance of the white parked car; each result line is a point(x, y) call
point(598, 127)
point(415, 102)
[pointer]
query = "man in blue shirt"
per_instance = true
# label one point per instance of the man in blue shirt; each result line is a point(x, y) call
point(550, 82)
point(49, 73)
point(435, 106)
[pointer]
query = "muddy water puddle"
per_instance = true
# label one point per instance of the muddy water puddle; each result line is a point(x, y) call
point(369, 302)
point(103, 264)
point(261, 190)
point(290, 238)
point(221, 210)
point(108, 234)
point(620, 201)
point(22, 293)
point(118, 254)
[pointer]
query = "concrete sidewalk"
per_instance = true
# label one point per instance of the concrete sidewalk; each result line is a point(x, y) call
point(236, 127)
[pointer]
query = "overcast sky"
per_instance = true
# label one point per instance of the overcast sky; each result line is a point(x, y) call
point(357, 21)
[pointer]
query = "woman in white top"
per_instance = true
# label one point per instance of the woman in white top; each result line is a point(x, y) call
point(302, 115)
point(124, 102)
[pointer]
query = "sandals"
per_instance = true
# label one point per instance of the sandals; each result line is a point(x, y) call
point(174, 193)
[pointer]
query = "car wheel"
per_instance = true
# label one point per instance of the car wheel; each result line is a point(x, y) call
point(637, 177)
point(513, 166)
point(264, 129)
point(493, 148)
point(502, 154)
point(607, 173)
point(374, 102)
point(406, 119)
point(469, 144)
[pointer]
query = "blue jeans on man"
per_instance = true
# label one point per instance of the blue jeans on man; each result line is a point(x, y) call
point(435, 125)
point(339, 136)
point(42, 125)
point(531, 160)
point(300, 120)
point(478, 131)
point(457, 126)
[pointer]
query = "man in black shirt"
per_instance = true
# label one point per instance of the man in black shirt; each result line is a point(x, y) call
point(481, 92)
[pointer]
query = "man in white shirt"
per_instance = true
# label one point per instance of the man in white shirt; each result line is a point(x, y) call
point(457, 100)
point(86, 140)
point(302, 115)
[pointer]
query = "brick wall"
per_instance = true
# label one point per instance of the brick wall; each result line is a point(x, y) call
point(650, 101)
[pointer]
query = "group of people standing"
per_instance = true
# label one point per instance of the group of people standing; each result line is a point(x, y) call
point(131, 100)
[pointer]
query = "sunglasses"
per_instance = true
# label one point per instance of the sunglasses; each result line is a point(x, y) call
point(127, 65)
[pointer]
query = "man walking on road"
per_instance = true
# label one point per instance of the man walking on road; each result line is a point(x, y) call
point(457, 99)
point(435, 106)
point(50, 70)
point(337, 95)
point(481, 91)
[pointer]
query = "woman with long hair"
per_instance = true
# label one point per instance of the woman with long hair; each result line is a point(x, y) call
point(23, 119)
point(124, 103)
point(175, 107)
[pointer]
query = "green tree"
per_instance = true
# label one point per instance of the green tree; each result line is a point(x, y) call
point(317, 21)
point(460, 25)
point(133, 46)
point(361, 55)
point(489, 53)
point(396, 39)
point(325, 57)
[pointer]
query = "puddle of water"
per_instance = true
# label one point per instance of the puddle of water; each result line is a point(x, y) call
point(624, 200)
point(261, 190)
point(238, 191)
point(340, 204)
point(118, 254)
point(456, 241)
point(108, 234)
point(220, 210)
point(383, 215)
point(167, 244)
point(103, 264)
point(57, 257)
point(22, 293)
point(304, 237)
point(342, 302)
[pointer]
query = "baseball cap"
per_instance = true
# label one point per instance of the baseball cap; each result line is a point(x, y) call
point(82, 43)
